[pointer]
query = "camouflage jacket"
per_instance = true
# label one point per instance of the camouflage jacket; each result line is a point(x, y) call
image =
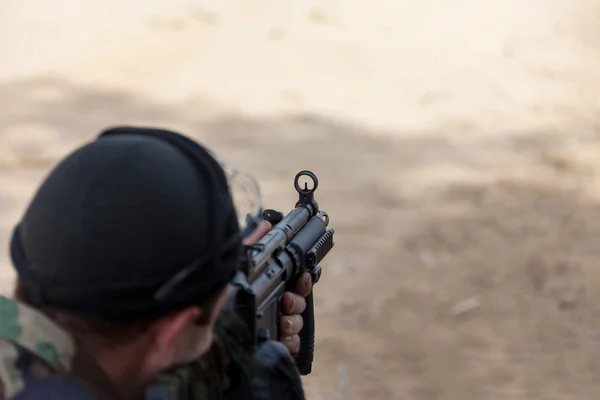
point(33, 347)
point(30, 344)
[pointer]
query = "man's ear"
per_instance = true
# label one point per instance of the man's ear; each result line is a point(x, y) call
point(168, 328)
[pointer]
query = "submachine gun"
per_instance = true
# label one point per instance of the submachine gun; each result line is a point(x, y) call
point(297, 244)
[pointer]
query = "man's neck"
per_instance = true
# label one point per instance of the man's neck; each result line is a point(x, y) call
point(109, 371)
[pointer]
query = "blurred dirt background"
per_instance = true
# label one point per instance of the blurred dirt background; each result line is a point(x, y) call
point(456, 143)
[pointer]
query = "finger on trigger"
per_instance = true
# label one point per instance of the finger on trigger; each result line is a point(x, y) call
point(261, 230)
point(293, 303)
point(304, 285)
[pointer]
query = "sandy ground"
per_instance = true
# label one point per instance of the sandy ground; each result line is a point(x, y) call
point(456, 143)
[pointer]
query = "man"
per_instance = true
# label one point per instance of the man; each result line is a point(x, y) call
point(109, 228)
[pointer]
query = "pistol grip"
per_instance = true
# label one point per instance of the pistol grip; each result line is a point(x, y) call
point(305, 356)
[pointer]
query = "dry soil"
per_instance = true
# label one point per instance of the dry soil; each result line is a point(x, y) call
point(456, 142)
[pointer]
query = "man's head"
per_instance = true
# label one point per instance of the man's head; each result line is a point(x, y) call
point(130, 243)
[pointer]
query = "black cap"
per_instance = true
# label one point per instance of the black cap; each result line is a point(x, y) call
point(122, 216)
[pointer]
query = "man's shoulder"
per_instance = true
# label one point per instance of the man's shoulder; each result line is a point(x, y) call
point(36, 333)
point(31, 345)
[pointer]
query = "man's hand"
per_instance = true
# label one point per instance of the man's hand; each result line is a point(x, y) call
point(293, 302)
point(293, 305)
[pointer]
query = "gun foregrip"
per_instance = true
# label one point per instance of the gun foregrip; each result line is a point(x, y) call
point(305, 356)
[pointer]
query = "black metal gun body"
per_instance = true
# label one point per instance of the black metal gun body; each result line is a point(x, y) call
point(295, 245)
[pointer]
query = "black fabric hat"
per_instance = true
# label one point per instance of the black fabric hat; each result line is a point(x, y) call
point(122, 216)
